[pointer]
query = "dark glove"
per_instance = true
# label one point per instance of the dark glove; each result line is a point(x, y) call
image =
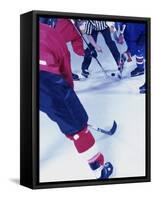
point(91, 52)
point(75, 77)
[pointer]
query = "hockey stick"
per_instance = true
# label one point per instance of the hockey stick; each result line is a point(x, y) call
point(112, 74)
point(107, 132)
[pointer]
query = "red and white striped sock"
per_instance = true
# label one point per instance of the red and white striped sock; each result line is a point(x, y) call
point(86, 147)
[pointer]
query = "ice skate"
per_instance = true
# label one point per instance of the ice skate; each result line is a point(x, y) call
point(106, 171)
point(85, 73)
point(137, 72)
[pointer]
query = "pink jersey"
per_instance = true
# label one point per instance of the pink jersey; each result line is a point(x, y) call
point(54, 55)
point(70, 34)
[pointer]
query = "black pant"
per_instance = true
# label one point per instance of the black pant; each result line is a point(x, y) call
point(109, 42)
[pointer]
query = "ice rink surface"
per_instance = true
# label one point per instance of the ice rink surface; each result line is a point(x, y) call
point(105, 100)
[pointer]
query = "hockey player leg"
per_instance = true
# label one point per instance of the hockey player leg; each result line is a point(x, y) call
point(85, 144)
point(138, 51)
point(113, 48)
point(139, 70)
point(86, 63)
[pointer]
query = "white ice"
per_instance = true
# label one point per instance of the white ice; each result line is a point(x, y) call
point(105, 100)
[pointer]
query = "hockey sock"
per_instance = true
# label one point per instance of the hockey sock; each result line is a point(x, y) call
point(86, 146)
point(96, 163)
point(140, 60)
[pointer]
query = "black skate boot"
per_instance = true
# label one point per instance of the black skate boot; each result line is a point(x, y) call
point(106, 171)
point(142, 89)
point(85, 73)
point(137, 72)
point(75, 77)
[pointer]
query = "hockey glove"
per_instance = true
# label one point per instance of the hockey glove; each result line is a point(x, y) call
point(91, 52)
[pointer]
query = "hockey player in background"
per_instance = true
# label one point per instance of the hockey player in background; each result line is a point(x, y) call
point(134, 35)
point(92, 28)
point(58, 99)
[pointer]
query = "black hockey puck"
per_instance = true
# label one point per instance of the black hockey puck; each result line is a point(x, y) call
point(112, 74)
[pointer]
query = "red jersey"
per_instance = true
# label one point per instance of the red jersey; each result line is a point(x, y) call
point(54, 54)
point(69, 34)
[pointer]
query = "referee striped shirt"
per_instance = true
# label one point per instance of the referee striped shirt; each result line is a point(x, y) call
point(94, 25)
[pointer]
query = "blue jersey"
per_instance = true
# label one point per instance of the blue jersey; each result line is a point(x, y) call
point(49, 21)
point(134, 34)
point(132, 31)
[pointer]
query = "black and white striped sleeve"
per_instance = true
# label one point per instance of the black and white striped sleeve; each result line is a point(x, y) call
point(88, 28)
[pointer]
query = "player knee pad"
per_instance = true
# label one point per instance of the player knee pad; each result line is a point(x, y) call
point(83, 140)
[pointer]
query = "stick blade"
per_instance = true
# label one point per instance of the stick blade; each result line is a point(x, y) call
point(112, 130)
